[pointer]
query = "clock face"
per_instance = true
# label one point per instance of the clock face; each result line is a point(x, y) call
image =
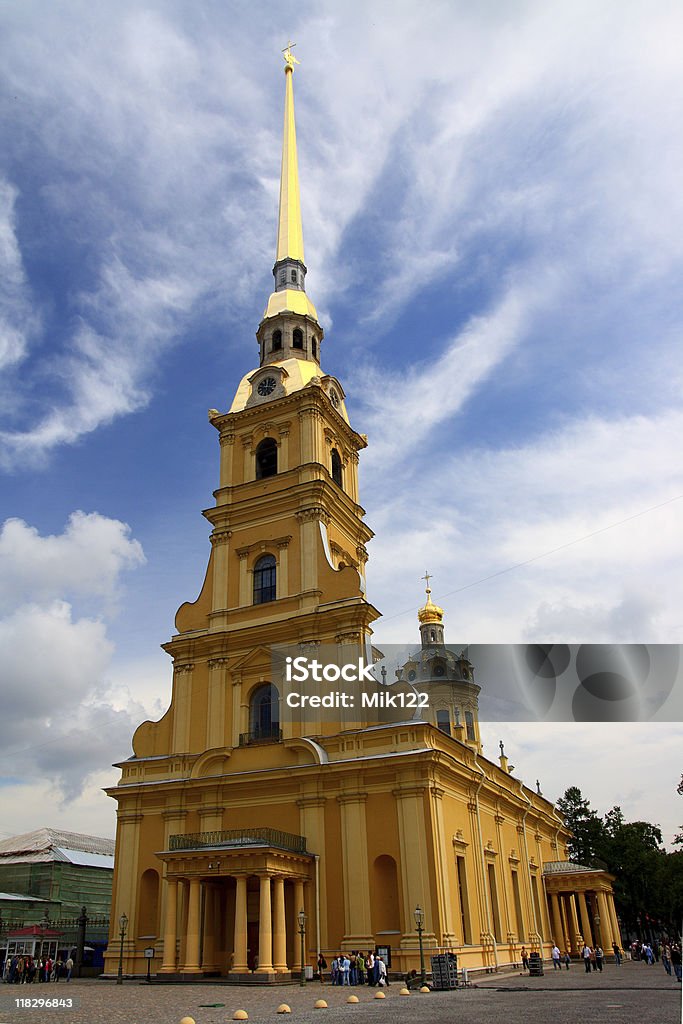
point(266, 386)
point(334, 398)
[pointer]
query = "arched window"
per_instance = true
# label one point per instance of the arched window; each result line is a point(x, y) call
point(294, 277)
point(266, 458)
point(265, 580)
point(297, 338)
point(277, 341)
point(469, 726)
point(314, 348)
point(264, 713)
point(336, 468)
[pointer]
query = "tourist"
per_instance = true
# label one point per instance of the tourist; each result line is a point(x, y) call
point(617, 953)
point(566, 959)
point(555, 954)
point(586, 954)
point(676, 959)
point(599, 956)
point(525, 959)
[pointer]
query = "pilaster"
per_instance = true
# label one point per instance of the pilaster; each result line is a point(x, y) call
point(356, 881)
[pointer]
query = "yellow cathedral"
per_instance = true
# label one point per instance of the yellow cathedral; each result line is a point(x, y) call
point(232, 820)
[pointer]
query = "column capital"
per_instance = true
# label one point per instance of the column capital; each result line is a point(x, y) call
point(174, 814)
point(219, 537)
point(311, 801)
point(352, 798)
point(128, 818)
point(403, 792)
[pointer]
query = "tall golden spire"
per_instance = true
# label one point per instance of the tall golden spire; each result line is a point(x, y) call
point(290, 270)
point(290, 236)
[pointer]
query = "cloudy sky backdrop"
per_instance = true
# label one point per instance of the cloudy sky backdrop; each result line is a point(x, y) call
point(494, 233)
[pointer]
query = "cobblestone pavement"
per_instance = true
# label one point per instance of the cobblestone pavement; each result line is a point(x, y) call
point(631, 993)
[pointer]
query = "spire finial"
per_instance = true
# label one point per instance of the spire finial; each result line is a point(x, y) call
point(427, 578)
point(290, 59)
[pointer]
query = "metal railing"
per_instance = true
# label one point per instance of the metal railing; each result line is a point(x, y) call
point(239, 837)
point(271, 734)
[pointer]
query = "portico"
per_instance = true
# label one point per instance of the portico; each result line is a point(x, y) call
point(231, 900)
point(581, 906)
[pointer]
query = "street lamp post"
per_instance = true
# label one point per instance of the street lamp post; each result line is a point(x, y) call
point(420, 925)
point(123, 925)
point(302, 932)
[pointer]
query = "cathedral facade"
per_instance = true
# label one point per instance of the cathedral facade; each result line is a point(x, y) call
point(233, 818)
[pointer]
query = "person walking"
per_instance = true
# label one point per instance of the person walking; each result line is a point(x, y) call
point(322, 967)
point(676, 959)
point(617, 953)
point(566, 959)
point(599, 957)
point(555, 954)
point(586, 954)
point(666, 957)
point(525, 959)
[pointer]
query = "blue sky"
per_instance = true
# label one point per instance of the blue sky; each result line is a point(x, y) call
point(493, 223)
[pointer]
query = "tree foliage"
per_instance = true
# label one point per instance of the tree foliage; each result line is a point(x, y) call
point(648, 881)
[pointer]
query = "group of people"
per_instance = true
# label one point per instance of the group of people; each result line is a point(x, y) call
point(652, 952)
point(594, 957)
point(23, 969)
point(355, 968)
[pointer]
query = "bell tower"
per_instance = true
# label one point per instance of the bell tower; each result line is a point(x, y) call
point(287, 565)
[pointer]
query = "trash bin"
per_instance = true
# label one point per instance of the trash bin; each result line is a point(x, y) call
point(535, 965)
point(308, 972)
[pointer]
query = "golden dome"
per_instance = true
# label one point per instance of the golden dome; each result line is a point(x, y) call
point(430, 612)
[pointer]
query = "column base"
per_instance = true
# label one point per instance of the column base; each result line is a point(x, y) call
point(265, 970)
point(191, 970)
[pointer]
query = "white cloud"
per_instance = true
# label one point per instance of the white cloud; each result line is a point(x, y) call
point(64, 712)
point(17, 320)
point(458, 129)
point(87, 559)
point(472, 515)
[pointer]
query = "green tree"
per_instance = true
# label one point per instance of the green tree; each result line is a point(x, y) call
point(586, 827)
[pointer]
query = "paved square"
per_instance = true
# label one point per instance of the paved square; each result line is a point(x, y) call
point(632, 993)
